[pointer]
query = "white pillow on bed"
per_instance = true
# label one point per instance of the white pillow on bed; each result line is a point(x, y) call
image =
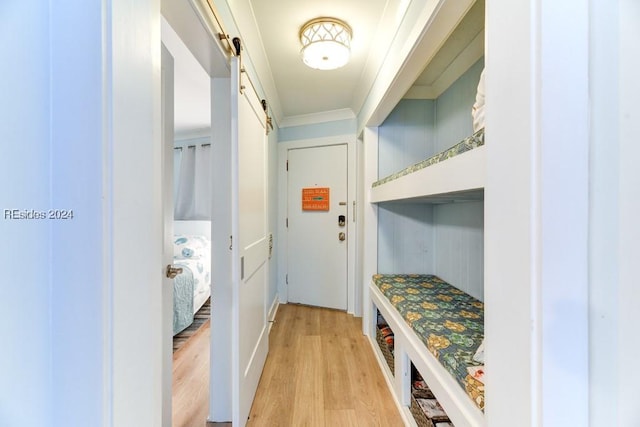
point(190, 247)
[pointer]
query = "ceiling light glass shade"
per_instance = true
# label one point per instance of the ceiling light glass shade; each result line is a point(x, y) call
point(326, 43)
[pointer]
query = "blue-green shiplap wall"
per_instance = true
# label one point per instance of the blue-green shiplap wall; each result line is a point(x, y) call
point(443, 239)
point(453, 109)
point(418, 128)
point(405, 238)
point(459, 245)
point(318, 130)
point(406, 136)
point(446, 240)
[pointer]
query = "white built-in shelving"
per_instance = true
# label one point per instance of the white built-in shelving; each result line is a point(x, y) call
point(455, 180)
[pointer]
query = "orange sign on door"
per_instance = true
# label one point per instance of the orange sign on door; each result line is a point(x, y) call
point(315, 199)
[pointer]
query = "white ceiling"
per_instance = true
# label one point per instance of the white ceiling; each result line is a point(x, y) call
point(192, 105)
point(296, 93)
point(302, 90)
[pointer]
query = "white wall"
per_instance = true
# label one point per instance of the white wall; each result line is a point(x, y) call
point(77, 170)
point(536, 213)
point(25, 293)
point(53, 286)
point(629, 232)
point(134, 189)
point(220, 406)
point(613, 212)
point(81, 133)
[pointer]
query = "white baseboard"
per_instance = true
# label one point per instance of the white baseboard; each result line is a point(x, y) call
point(273, 310)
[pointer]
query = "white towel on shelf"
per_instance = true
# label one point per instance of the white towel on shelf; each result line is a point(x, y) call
point(478, 108)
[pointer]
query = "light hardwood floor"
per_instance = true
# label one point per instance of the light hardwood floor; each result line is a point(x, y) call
point(191, 381)
point(321, 371)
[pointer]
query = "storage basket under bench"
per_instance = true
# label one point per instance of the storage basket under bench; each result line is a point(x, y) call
point(448, 321)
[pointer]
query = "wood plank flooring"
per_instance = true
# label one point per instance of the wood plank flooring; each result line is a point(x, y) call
point(320, 371)
point(191, 380)
point(199, 319)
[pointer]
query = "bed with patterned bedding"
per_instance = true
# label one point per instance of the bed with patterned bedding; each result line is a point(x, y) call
point(192, 287)
point(447, 321)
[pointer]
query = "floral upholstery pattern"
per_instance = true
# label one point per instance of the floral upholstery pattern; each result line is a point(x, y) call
point(469, 143)
point(474, 385)
point(448, 321)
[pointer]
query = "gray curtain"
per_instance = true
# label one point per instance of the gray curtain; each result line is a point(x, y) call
point(192, 182)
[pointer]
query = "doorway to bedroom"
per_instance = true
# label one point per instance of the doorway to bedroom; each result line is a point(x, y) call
point(188, 176)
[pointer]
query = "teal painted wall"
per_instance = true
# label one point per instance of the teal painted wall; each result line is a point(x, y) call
point(419, 128)
point(446, 240)
point(453, 109)
point(317, 130)
point(407, 135)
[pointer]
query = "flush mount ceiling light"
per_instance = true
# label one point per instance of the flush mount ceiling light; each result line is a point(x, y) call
point(326, 43)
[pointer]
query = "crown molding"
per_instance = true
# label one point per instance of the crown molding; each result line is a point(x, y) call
point(315, 118)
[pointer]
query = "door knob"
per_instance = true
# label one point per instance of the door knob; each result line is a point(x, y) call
point(172, 271)
point(341, 236)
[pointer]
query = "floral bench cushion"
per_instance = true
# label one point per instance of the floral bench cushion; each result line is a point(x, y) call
point(448, 321)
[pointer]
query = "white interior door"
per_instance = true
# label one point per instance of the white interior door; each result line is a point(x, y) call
point(317, 238)
point(250, 240)
point(240, 249)
point(167, 240)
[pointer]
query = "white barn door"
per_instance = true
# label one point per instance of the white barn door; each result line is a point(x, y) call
point(250, 244)
point(240, 249)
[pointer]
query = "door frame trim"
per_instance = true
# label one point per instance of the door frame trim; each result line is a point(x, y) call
point(353, 290)
point(167, 78)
